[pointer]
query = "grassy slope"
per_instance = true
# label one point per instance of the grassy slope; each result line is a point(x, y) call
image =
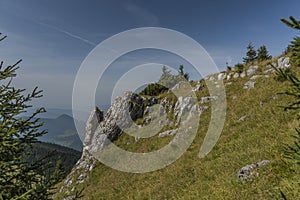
point(260, 136)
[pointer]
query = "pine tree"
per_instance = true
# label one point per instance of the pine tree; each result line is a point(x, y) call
point(293, 23)
point(239, 67)
point(292, 151)
point(250, 55)
point(166, 79)
point(181, 73)
point(59, 172)
point(295, 51)
point(263, 54)
point(18, 179)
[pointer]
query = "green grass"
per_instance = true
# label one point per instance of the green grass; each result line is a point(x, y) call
point(260, 136)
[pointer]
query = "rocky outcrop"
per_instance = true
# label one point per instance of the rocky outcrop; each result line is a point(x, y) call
point(93, 121)
point(249, 172)
point(182, 106)
point(99, 131)
point(120, 116)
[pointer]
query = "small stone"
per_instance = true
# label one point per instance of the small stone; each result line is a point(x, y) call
point(208, 99)
point(271, 70)
point(255, 77)
point(236, 75)
point(168, 133)
point(242, 118)
point(251, 70)
point(212, 78)
point(243, 74)
point(221, 76)
point(229, 76)
point(249, 85)
point(249, 172)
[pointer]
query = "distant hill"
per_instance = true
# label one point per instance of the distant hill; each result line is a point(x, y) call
point(62, 131)
point(67, 155)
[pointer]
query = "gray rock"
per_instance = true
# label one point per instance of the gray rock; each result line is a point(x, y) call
point(271, 70)
point(147, 120)
point(147, 110)
point(228, 83)
point(100, 131)
point(241, 119)
point(152, 101)
point(255, 77)
point(212, 78)
point(251, 70)
point(208, 99)
point(236, 75)
point(221, 76)
point(198, 87)
point(203, 108)
point(249, 85)
point(82, 177)
point(168, 133)
point(182, 106)
point(284, 62)
point(70, 198)
point(243, 74)
point(92, 123)
point(249, 172)
point(229, 76)
point(120, 116)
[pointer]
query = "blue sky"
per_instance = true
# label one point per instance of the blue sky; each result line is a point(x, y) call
point(53, 37)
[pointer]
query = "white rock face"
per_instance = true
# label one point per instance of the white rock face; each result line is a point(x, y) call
point(221, 76)
point(284, 62)
point(93, 122)
point(182, 106)
point(249, 85)
point(236, 75)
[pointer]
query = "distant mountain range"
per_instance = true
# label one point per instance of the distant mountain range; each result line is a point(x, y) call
point(62, 131)
point(61, 128)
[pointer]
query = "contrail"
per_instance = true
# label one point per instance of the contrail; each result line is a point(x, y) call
point(67, 33)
